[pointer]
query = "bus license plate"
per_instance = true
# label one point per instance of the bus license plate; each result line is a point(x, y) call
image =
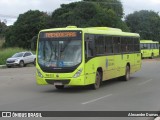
point(58, 83)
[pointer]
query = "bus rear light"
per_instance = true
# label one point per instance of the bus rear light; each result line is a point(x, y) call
point(77, 74)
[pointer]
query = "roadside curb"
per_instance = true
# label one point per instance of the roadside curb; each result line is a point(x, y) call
point(3, 66)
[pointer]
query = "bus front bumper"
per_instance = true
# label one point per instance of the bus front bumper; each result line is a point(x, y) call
point(61, 81)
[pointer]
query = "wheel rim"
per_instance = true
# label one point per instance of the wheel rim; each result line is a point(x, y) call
point(21, 64)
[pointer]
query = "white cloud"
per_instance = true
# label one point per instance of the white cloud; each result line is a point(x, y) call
point(10, 9)
point(155, 1)
point(136, 5)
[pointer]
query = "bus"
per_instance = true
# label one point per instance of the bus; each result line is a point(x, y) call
point(74, 56)
point(149, 48)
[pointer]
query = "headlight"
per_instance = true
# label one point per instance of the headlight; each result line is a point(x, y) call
point(39, 73)
point(77, 74)
point(16, 60)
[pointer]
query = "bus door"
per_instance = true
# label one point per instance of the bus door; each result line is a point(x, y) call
point(89, 59)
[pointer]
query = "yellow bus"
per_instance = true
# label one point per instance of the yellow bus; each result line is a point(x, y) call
point(149, 48)
point(74, 56)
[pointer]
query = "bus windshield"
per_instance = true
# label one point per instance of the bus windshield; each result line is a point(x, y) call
point(59, 52)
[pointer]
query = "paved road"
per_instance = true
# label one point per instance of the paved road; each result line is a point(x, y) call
point(19, 92)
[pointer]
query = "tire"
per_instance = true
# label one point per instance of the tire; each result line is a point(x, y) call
point(126, 77)
point(34, 63)
point(9, 66)
point(152, 56)
point(21, 63)
point(141, 56)
point(97, 83)
point(59, 86)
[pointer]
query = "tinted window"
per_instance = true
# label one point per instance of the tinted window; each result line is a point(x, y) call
point(99, 44)
point(108, 45)
point(136, 45)
point(27, 54)
point(116, 45)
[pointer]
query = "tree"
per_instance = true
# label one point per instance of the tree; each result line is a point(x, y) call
point(115, 5)
point(90, 13)
point(3, 28)
point(25, 28)
point(146, 23)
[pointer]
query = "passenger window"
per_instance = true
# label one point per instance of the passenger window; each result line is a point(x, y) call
point(116, 45)
point(27, 54)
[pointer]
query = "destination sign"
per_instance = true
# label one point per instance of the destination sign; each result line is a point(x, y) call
point(60, 34)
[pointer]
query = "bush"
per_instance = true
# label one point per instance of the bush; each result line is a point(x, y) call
point(8, 52)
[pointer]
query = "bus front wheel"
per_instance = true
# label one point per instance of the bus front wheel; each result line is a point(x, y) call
point(97, 83)
point(141, 56)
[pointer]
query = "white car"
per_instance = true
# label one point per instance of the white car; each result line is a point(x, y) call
point(21, 59)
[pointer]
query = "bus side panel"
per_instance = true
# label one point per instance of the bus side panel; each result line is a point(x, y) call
point(91, 68)
point(112, 66)
point(134, 61)
point(106, 63)
point(122, 62)
point(138, 62)
point(146, 53)
point(120, 65)
point(156, 52)
point(90, 72)
point(109, 68)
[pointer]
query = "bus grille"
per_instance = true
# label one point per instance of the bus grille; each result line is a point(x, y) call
point(65, 81)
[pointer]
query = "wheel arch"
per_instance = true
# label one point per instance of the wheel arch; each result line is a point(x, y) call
point(100, 70)
point(21, 60)
point(128, 64)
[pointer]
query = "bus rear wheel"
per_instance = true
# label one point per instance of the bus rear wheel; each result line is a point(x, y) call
point(152, 56)
point(97, 83)
point(59, 86)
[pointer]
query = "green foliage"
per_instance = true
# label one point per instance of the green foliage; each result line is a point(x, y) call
point(1, 42)
point(3, 28)
point(90, 13)
point(85, 13)
point(8, 52)
point(115, 5)
point(25, 28)
point(147, 23)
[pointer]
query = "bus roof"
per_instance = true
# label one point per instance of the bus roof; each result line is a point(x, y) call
point(148, 41)
point(96, 30)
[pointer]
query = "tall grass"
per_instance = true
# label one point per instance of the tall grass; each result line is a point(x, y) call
point(2, 40)
point(8, 52)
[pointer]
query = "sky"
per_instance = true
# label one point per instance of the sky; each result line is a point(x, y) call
point(10, 9)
